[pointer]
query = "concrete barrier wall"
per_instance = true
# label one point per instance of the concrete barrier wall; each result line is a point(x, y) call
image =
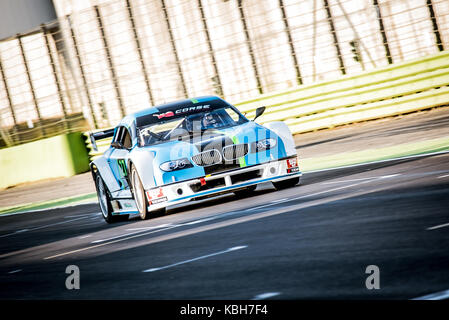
point(59, 156)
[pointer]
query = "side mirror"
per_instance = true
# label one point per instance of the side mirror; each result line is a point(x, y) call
point(259, 112)
point(117, 145)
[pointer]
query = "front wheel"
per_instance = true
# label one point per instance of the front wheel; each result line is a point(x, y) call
point(284, 184)
point(139, 194)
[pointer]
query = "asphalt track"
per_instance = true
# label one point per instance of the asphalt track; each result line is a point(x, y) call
point(313, 241)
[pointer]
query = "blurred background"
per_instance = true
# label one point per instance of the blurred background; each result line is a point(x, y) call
point(78, 65)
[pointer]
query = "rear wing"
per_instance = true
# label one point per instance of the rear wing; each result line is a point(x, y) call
point(100, 135)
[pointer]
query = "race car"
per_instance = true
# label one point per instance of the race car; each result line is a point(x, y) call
point(188, 150)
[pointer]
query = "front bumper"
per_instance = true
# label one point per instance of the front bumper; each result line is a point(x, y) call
point(223, 182)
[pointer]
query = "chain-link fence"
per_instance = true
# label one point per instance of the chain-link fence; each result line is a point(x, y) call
point(91, 67)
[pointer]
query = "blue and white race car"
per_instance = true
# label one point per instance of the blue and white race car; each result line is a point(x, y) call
point(187, 150)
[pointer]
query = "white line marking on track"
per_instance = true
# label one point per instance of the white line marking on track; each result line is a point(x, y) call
point(56, 223)
point(435, 296)
point(41, 227)
point(349, 180)
point(118, 238)
point(195, 259)
point(389, 176)
point(83, 215)
point(443, 176)
point(280, 200)
point(438, 226)
point(330, 190)
point(195, 221)
point(270, 204)
point(362, 179)
point(260, 207)
point(149, 228)
point(84, 237)
point(266, 295)
point(227, 214)
point(381, 161)
point(14, 271)
point(317, 193)
point(130, 234)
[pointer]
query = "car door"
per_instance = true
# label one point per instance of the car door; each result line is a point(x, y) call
point(121, 146)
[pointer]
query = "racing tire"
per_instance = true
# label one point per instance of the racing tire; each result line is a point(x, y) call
point(248, 191)
point(139, 194)
point(284, 184)
point(104, 200)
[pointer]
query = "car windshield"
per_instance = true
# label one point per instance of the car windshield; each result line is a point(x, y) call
point(175, 127)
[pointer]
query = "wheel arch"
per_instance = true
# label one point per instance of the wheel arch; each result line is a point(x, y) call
point(283, 131)
point(101, 167)
point(142, 160)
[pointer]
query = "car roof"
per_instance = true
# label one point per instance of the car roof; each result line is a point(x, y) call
point(128, 120)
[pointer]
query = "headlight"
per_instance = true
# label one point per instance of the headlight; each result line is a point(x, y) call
point(264, 144)
point(175, 165)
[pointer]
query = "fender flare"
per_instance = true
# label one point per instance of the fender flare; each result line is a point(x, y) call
point(283, 131)
point(105, 172)
point(143, 161)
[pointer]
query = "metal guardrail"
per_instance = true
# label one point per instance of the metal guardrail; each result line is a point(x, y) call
point(397, 89)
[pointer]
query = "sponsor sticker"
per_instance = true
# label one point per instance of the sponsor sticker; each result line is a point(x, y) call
point(169, 114)
point(126, 204)
point(292, 165)
point(292, 170)
point(194, 108)
point(159, 200)
point(164, 115)
point(292, 162)
point(155, 193)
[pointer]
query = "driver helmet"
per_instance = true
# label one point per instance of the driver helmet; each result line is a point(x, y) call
point(209, 121)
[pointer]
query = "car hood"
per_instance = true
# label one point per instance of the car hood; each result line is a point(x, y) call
point(212, 139)
point(248, 133)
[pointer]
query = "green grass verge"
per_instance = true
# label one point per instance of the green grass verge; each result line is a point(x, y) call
point(306, 165)
point(370, 155)
point(50, 204)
